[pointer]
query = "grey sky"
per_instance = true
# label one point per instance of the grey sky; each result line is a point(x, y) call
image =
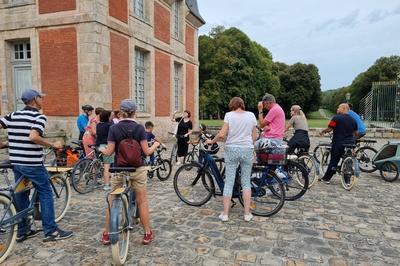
point(341, 37)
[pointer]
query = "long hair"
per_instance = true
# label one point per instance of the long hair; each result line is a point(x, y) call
point(297, 111)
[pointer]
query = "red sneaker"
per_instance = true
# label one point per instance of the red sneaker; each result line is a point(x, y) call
point(148, 238)
point(105, 239)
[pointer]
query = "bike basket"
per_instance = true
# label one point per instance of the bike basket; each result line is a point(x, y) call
point(276, 156)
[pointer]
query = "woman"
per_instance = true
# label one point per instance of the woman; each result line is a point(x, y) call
point(240, 126)
point(298, 121)
point(102, 129)
point(185, 127)
point(89, 137)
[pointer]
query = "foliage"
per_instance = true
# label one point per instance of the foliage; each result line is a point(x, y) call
point(233, 65)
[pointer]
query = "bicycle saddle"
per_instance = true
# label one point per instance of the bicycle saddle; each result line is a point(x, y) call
point(119, 169)
point(349, 145)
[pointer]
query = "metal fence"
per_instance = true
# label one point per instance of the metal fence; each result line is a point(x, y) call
point(381, 106)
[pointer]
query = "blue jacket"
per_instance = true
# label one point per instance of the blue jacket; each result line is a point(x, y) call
point(82, 122)
point(360, 124)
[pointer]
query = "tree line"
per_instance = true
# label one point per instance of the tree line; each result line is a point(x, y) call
point(231, 64)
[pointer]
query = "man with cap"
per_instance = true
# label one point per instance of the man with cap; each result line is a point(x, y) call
point(127, 128)
point(25, 140)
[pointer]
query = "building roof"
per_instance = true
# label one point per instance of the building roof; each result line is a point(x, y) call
point(194, 9)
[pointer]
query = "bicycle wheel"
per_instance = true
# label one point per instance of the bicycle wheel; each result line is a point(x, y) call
point(49, 157)
point(348, 176)
point(389, 171)
point(317, 153)
point(312, 167)
point(364, 156)
point(8, 232)
point(119, 229)
point(267, 193)
point(295, 181)
point(61, 195)
point(193, 185)
point(79, 174)
point(174, 151)
point(326, 158)
point(164, 169)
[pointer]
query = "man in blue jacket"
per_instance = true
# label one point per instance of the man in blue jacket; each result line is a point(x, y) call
point(360, 125)
point(83, 119)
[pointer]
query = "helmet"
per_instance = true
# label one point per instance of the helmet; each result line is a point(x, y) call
point(87, 107)
point(209, 148)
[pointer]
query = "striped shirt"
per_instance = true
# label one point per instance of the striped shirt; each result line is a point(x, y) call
point(19, 124)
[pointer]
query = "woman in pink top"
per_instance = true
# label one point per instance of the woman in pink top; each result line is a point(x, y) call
point(89, 137)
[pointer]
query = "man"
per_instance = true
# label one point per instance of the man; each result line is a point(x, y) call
point(360, 125)
point(344, 129)
point(273, 123)
point(126, 129)
point(25, 139)
point(83, 119)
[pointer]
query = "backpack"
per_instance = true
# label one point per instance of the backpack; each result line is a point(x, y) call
point(129, 153)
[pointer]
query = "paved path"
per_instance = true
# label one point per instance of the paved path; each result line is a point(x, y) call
point(328, 226)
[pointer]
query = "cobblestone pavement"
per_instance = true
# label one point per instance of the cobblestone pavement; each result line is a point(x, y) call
point(328, 226)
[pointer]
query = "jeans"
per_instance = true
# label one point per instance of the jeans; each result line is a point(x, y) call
point(235, 156)
point(40, 179)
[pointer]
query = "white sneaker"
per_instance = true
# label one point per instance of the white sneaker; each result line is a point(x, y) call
point(223, 217)
point(178, 163)
point(107, 187)
point(248, 217)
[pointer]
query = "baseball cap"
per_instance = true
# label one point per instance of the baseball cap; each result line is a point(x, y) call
point(128, 105)
point(30, 94)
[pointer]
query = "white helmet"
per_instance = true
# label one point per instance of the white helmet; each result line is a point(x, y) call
point(209, 148)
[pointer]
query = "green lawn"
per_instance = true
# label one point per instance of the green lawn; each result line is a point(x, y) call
point(312, 123)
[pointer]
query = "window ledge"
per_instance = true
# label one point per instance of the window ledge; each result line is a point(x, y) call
point(143, 115)
point(143, 20)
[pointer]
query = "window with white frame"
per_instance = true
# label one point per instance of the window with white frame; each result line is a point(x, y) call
point(21, 51)
point(176, 11)
point(140, 78)
point(138, 7)
point(178, 86)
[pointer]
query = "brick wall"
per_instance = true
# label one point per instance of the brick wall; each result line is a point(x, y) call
point(190, 90)
point(50, 6)
point(162, 23)
point(59, 71)
point(119, 68)
point(189, 40)
point(162, 83)
point(118, 9)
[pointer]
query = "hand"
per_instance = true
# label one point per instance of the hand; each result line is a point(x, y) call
point(209, 141)
point(321, 133)
point(57, 145)
point(156, 144)
point(260, 106)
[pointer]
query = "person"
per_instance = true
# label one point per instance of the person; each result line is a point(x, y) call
point(102, 129)
point(128, 128)
point(361, 130)
point(115, 116)
point(273, 124)
point(25, 139)
point(298, 121)
point(185, 127)
point(83, 119)
point(240, 128)
point(344, 129)
point(89, 137)
point(149, 126)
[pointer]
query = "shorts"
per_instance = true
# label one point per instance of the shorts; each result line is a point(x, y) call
point(138, 179)
point(107, 159)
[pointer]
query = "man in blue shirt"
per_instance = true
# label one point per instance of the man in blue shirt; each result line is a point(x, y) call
point(360, 125)
point(83, 119)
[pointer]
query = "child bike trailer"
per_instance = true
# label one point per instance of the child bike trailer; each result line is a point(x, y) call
point(387, 160)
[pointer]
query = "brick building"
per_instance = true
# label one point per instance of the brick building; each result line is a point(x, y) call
point(98, 52)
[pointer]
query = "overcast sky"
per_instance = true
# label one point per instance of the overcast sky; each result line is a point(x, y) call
point(342, 37)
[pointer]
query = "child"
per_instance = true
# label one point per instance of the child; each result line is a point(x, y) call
point(102, 129)
point(148, 126)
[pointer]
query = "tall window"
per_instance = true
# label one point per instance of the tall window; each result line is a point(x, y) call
point(22, 51)
point(138, 6)
point(177, 86)
point(140, 72)
point(176, 19)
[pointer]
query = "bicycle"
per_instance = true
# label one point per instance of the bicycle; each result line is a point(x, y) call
point(123, 215)
point(87, 172)
point(348, 167)
point(9, 217)
point(195, 186)
point(161, 166)
point(194, 155)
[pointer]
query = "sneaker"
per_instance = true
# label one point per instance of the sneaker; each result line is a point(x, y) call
point(105, 238)
point(30, 234)
point(58, 234)
point(148, 238)
point(107, 187)
point(248, 217)
point(223, 217)
point(324, 181)
point(178, 163)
